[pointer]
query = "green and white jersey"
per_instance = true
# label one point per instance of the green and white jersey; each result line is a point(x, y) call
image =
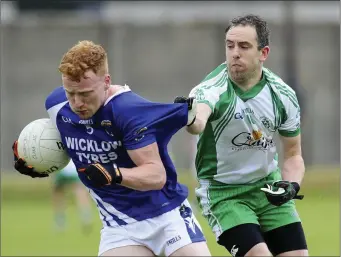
point(237, 145)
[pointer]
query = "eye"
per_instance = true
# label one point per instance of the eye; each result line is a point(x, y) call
point(85, 94)
point(70, 94)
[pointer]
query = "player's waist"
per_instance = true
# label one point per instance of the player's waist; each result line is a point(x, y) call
point(237, 178)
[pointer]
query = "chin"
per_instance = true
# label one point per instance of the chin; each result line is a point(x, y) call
point(236, 75)
point(84, 117)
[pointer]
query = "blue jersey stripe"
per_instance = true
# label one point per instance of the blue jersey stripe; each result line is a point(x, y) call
point(104, 218)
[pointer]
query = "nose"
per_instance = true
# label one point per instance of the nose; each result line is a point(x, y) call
point(235, 53)
point(78, 101)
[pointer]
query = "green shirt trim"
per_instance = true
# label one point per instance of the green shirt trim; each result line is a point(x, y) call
point(252, 92)
point(289, 133)
point(206, 102)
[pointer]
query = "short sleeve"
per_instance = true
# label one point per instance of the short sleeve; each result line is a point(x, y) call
point(292, 124)
point(203, 95)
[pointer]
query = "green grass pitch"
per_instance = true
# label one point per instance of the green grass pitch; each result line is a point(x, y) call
point(27, 227)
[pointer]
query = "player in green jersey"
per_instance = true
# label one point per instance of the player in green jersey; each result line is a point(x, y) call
point(241, 105)
point(64, 180)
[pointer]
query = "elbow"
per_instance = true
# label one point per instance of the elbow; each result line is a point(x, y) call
point(161, 179)
point(157, 179)
point(194, 130)
point(197, 127)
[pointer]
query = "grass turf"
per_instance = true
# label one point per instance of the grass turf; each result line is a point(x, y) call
point(27, 227)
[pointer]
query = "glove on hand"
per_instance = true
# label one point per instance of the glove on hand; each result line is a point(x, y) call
point(100, 176)
point(21, 165)
point(192, 107)
point(281, 192)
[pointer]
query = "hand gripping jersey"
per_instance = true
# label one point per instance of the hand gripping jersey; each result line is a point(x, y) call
point(237, 145)
point(125, 122)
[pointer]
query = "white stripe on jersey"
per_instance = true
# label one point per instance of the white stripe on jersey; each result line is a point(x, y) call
point(112, 210)
point(53, 111)
point(124, 89)
point(105, 216)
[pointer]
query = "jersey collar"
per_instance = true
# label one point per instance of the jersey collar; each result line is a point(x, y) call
point(252, 92)
point(124, 89)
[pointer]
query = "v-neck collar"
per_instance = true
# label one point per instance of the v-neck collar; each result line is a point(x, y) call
point(252, 92)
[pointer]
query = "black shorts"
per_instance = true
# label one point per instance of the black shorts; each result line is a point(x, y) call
point(240, 239)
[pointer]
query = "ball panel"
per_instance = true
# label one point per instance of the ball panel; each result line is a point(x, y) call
point(50, 134)
point(39, 143)
point(55, 156)
point(48, 167)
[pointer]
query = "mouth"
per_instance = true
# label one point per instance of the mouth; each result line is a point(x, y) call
point(81, 112)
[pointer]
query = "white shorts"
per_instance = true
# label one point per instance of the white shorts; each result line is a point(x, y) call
point(163, 234)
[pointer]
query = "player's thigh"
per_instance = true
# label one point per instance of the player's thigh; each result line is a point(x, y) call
point(260, 249)
point(226, 207)
point(194, 249)
point(117, 241)
point(271, 217)
point(288, 240)
point(295, 253)
point(132, 250)
point(244, 240)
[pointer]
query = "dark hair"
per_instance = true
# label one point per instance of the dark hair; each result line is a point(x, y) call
point(261, 26)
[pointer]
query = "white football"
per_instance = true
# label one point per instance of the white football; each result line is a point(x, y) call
point(40, 145)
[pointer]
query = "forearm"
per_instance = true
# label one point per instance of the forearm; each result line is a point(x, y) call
point(145, 177)
point(197, 127)
point(293, 169)
point(203, 112)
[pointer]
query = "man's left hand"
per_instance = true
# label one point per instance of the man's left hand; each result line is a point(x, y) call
point(100, 176)
point(281, 192)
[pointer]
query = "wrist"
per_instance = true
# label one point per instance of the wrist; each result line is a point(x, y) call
point(192, 122)
point(118, 175)
point(296, 186)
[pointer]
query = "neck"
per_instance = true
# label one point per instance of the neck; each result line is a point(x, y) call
point(113, 89)
point(251, 81)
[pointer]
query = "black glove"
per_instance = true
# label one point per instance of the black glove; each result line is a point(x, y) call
point(281, 192)
point(21, 165)
point(192, 107)
point(100, 176)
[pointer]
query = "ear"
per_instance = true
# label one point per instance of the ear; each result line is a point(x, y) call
point(107, 81)
point(265, 51)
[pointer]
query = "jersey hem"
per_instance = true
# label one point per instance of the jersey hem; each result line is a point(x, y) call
point(154, 213)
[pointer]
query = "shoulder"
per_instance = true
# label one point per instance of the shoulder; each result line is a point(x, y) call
point(282, 90)
point(56, 97)
point(213, 84)
point(216, 73)
point(122, 96)
point(123, 102)
point(275, 81)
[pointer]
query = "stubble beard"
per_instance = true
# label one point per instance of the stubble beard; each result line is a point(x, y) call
point(242, 77)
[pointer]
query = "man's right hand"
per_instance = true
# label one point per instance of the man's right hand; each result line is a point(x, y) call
point(21, 165)
point(192, 107)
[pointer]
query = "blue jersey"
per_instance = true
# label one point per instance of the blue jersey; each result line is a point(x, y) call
point(125, 122)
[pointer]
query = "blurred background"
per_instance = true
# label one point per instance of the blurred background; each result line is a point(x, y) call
point(162, 50)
